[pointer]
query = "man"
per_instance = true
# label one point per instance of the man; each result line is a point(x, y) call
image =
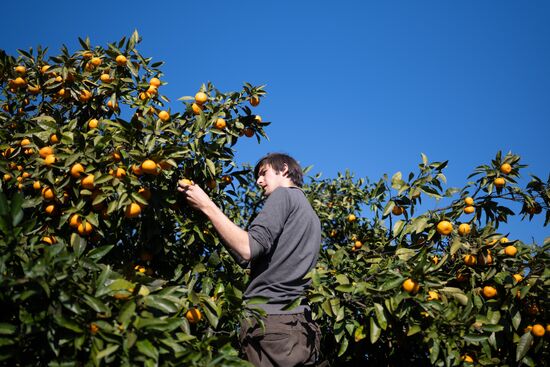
point(282, 245)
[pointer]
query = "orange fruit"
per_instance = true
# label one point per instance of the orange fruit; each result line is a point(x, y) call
point(105, 78)
point(435, 260)
point(145, 193)
point(87, 54)
point(33, 89)
point(510, 250)
point(152, 91)
point(535, 209)
point(85, 228)
point(467, 359)
point(220, 124)
point(149, 166)
point(248, 132)
point(36, 185)
point(120, 172)
point(76, 170)
point(112, 106)
point(186, 181)
point(155, 82)
point(196, 108)
point(517, 277)
point(200, 98)
point(258, 119)
point(464, 229)
point(45, 151)
point(132, 210)
point(24, 142)
point(85, 95)
point(44, 69)
point(489, 291)
point(470, 260)
point(137, 169)
point(19, 82)
point(49, 160)
point(48, 194)
point(227, 179)
point(54, 139)
point(74, 221)
point(505, 168)
point(433, 296)
point(193, 315)
point(358, 244)
point(504, 240)
point(254, 101)
point(121, 60)
point(397, 210)
point(212, 184)
point(164, 115)
point(50, 240)
point(485, 260)
point(499, 182)
point(351, 218)
point(410, 286)
point(92, 124)
point(460, 277)
point(7, 177)
point(88, 182)
point(444, 228)
point(50, 209)
point(20, 69)
point(469, 209)
point(94, 328)
point(117, 157)
point(538, 330)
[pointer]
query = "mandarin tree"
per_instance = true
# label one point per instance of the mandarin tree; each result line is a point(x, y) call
point(101, 260)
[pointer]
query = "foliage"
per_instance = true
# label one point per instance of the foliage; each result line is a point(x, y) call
point(118, 270)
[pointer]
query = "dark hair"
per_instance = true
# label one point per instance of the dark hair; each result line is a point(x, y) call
point(277, 161)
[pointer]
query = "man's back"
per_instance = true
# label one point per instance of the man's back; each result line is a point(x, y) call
point(285, 239)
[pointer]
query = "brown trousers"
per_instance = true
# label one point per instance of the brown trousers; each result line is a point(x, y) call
point(288, 340)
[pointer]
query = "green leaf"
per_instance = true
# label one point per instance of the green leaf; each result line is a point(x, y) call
point(211, 167)
point(161, 304)
point(78, 244)
point(375, 331)
point(359, 333)
point(343, 346)
point(413, 330)
point(7, 329)
point(96, 304)
point(67, 324)
point(146, 348)
point(126, 312)
point(98, 253)
point(475, 338)
point(107, 351)
point(524, 344)
point(380, 317)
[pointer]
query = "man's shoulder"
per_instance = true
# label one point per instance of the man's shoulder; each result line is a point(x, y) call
point(286, 192)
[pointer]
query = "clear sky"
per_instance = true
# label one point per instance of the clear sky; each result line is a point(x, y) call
point(364, 85)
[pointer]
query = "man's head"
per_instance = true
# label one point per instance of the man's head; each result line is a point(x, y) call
point(277, 169)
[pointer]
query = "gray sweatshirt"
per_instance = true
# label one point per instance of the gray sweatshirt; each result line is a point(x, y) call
point(285, 239)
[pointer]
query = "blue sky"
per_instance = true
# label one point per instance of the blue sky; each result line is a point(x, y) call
point(364, 85)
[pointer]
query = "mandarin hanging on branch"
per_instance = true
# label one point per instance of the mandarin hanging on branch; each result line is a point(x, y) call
point(505, 168)
point(201, 98)
point(444, 228)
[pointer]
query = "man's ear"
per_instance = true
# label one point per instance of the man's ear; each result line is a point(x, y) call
point(284, 172)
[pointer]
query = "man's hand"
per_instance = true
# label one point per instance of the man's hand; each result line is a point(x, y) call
point(231, 234)
point(195, 196)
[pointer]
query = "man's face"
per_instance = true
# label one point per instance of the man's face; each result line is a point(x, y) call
point(269, 180)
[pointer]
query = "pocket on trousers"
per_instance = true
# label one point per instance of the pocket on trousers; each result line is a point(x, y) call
point(275, 336)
